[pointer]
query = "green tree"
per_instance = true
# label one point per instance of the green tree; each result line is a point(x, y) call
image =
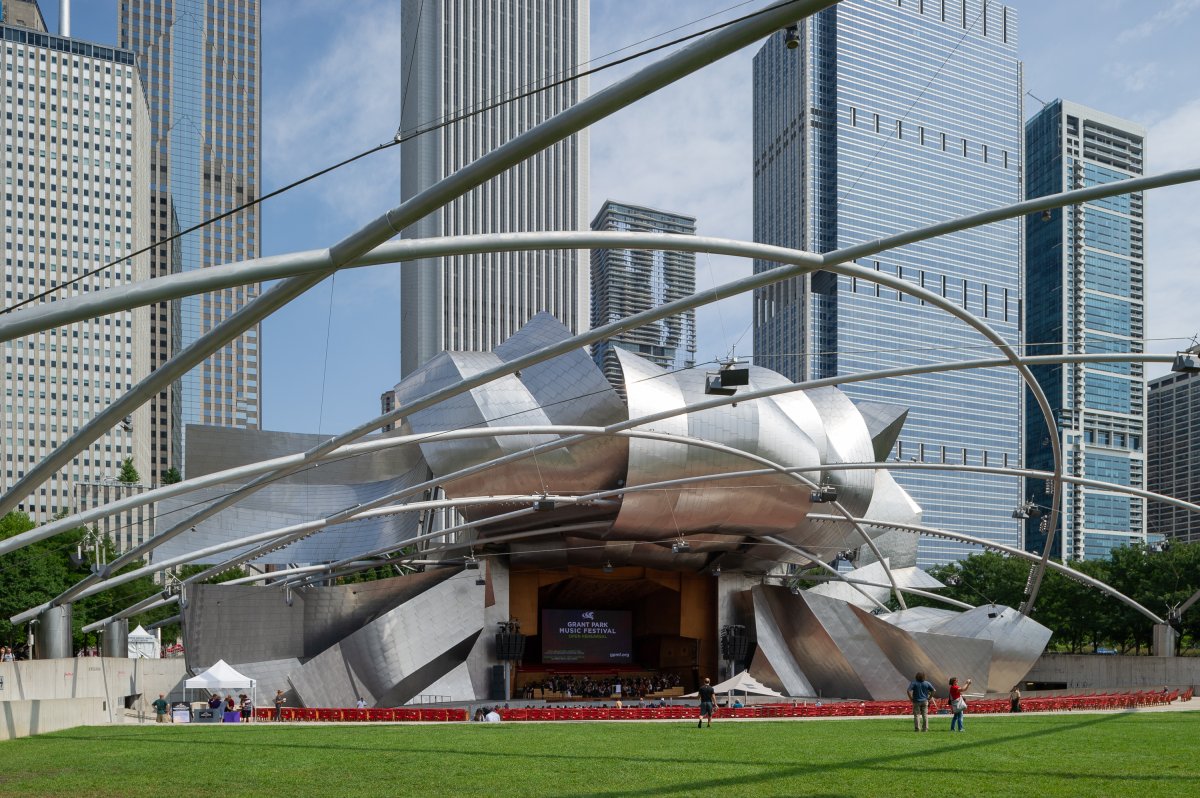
point(171, 476)
point(33, 574)
point(129, 475)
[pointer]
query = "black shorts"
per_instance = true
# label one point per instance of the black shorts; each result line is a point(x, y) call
point(706, 707)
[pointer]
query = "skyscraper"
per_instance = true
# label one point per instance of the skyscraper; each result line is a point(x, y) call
point(199, 61)
point(76, 176)
point(459, 56)
point(1084, 276)
point(885, 117)
point(627, 281)
point(1173, 454)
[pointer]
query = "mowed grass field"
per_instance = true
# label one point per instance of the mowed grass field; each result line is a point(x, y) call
point(1146, 754)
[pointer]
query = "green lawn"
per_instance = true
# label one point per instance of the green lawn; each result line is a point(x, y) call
point(1096, 755)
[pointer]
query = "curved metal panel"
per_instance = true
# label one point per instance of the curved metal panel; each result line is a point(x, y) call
point(503, 402)
point(892, 502)
point(848, 441)
point(1017, 641)
point(761, 504)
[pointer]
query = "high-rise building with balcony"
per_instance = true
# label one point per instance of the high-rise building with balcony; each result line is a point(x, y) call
point(458, 57)
point(1173, 454)
point(629, 281)
point(885, 117)
point(76, 182)
point(1084, 276)
point(199, 61)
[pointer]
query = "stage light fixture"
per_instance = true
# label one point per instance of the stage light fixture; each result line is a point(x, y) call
point(1186, 363)
point(823, 495)
point(726, 381)
point(543, 505)
point(681, 546)
point(481, 581)
point(1028, 510)
point(471, 564)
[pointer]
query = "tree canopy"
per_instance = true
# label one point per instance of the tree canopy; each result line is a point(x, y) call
point(129, 475)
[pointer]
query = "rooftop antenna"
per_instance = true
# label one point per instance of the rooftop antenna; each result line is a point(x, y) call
point(64, 18)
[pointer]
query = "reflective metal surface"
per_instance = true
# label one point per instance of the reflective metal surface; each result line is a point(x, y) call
point(115, 640)
point(53, 636)
point(814, 645)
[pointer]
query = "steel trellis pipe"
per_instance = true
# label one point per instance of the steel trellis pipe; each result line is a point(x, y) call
point(174, 286)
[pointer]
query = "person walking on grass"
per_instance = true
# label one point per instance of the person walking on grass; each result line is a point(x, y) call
point(708, 701)
point(958, 704)
point(920, 692)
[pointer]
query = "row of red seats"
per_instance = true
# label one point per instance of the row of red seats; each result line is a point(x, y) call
point(839, 709)
point(387, 715)
point(847, 708)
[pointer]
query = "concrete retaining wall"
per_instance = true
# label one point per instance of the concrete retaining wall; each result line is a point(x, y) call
point(23, 718)
point(1108, 672)
point(46, 695)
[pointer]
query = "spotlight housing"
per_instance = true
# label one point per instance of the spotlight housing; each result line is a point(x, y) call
point(1186, 363)
point(681, 546)
point(823, 495)
point(791, 36)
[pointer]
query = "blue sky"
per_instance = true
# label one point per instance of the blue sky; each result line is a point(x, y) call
point(332, 85)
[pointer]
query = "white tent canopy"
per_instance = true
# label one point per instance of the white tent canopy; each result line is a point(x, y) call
point(222, 676)
point(219, 676)
point(742, 683)
point(142, 644)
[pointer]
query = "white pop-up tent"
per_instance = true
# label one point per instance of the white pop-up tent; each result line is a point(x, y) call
point(222, 676)
point(742, 683)
point(142, 644)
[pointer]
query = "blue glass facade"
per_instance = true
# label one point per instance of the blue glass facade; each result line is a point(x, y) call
point(1084, 275)
point(199, 65)
point(892, 116)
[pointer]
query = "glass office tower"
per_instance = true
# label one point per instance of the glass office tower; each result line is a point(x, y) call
point(1173, 433)
point(629, 281)
point(1084, 268)
point(887, 117)
point(199, 62)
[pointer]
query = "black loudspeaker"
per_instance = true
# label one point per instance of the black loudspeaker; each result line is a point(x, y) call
point(496, 684)
point(735, 643)
point(510, 645)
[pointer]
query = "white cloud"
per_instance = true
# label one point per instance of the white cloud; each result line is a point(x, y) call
point(1135, 78)
point(1173, 233)
point(338, 104)
point(1172, 15)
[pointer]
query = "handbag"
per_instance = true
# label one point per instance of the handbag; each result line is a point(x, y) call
point(960, 704)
